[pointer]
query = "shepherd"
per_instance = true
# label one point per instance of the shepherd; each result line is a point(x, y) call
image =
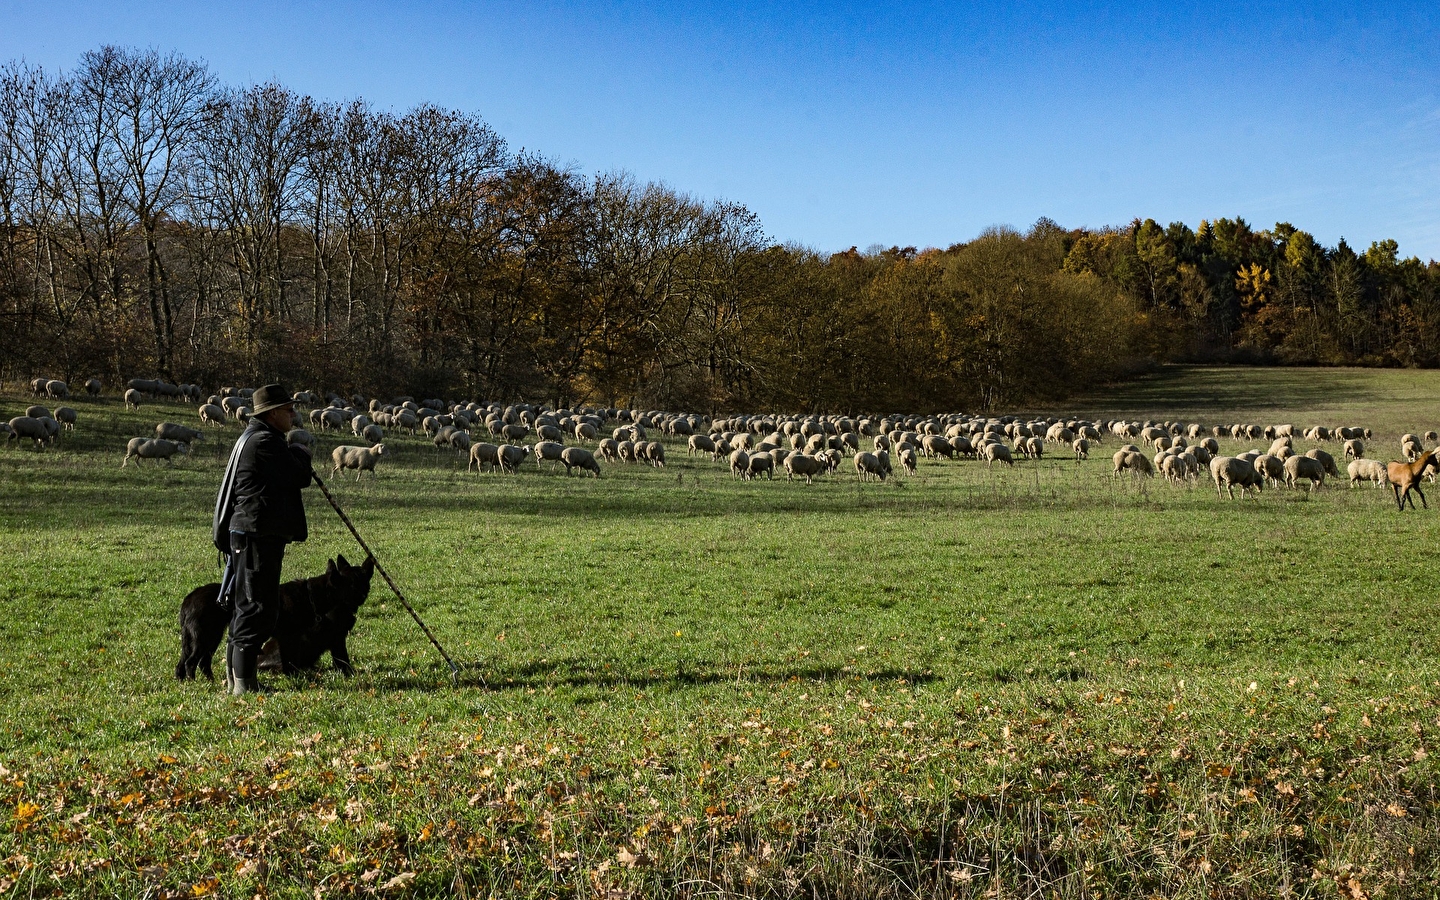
point(258, 512)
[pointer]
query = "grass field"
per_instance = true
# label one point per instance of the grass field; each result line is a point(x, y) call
point(1030, 683)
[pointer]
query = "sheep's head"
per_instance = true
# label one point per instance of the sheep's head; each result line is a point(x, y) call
point(182, 448)
point(378, 449)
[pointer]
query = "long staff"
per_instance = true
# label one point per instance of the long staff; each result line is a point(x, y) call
point(454, 669)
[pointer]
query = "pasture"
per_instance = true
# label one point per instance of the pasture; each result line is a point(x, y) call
point(1038, 681)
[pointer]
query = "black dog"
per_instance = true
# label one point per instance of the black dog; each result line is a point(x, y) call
point(316, 615)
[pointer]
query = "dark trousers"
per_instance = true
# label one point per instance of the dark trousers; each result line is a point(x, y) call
point(257, 562)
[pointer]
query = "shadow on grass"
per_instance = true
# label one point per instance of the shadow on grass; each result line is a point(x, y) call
point(544, 675)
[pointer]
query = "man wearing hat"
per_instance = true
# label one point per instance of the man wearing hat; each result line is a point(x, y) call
point(258, 512)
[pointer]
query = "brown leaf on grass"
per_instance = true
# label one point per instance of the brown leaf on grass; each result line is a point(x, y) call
point(1396, 810)
point(205, 887)
point(398, 882)
point(1285, 787)
point(1356, 892)
point(252, 867)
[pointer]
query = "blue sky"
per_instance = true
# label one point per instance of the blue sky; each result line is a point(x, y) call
point(896, 124)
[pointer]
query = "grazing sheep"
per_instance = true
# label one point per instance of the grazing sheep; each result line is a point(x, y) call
point(579, 458)
point(57, 390)
point(359, 424)
point(652, 452)
point(361, 459)
point(1432, 436)
point(1280, 443)
point(627, 452)
point(1081, 446)
point(1270, 467)
point(22, 427)
point(482, 455)
point(66, 417)
point(1132, 461)
point(1354, 448)
point(1174, 467)
point(1326, 460)
point(514, 433)
point(458, 439)
point(299, 437)
point(996, 452)
point(1368, 470)
point(153, 448)
point(511, 456)
point(1230, 472)
point(739, 463)
point(180, 433)
point(210, 414)
point(908, 461)
point(867, 466)
point(372, 433)
point(1297, 467)
point(550, 450)
point(758, 464)
point(609, 450)
point(132, 399)
point(699, 443)
point(584, 431)
point(38, 412)
point(93, 387)
point(807, 467)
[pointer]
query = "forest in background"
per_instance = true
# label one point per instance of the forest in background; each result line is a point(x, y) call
point(154, 222)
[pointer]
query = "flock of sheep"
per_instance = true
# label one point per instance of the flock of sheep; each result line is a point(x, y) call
point(502, 437)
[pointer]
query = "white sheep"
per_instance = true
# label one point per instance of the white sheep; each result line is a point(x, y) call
point(153, 448)
point(132, 399)
point(511, 456)
point(67, 417)
point(361, 459)
point(180, 433)
point(1297, 467)
point(483, 454)
point(548, 450)
point(1230, 472)
point(22, 427)
point(579, 458)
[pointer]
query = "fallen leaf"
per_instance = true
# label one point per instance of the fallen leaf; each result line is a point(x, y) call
point(398, 882)
point(1396, 810)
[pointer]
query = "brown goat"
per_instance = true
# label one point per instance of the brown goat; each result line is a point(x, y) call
point(1405, 477)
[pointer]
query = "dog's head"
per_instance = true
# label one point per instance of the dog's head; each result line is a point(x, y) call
point(349, 586)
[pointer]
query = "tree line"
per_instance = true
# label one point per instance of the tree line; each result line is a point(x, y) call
point(156, 222)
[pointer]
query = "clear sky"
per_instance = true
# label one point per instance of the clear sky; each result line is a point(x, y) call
point(896, 124)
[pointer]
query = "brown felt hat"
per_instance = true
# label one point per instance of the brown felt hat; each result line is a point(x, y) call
point(271, 396)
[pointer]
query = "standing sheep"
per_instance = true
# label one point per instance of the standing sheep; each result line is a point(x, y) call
point(806, 467)
point(739, 463)
point(548, 450)
point(1230, 472)
point(511, 456)
point(1081, 446)
point(373, 433)
point(93, 387)
point(210, 414)
point(132, 399)
point(361, 459)
point(579, 458)
point(180, 433)
point(66, 417)
point(152, 448)
point(1354, 448)
point(867, 466)
point(1297, 467)
point(482, 455)
point(22, 427)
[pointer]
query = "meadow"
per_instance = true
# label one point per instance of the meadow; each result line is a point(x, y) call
point(1038, 682)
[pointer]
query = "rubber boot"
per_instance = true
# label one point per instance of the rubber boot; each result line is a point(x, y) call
point(246, 680)
point(229, 667)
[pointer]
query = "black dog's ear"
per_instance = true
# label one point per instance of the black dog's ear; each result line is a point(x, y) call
point(330, 567)
point(369, 564)
point(343, 563)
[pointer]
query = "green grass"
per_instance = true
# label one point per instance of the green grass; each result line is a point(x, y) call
point(1038, 682)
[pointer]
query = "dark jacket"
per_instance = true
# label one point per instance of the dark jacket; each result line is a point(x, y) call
point(261, 490)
